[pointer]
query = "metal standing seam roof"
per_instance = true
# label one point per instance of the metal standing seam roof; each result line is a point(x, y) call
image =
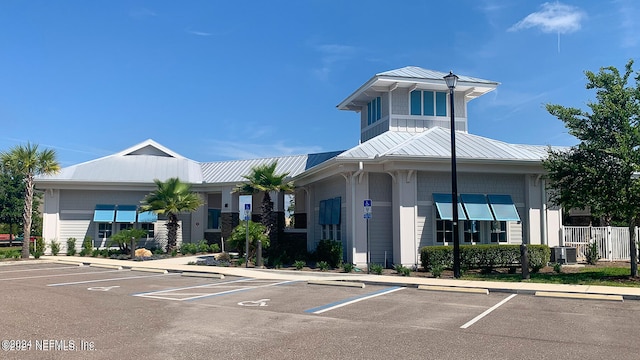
point(415, 72)
point(436, 143)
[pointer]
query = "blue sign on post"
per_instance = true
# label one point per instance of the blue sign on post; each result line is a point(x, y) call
point(247, 211)
point(367, 209)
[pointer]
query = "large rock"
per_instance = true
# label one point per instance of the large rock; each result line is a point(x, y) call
point(143, 253)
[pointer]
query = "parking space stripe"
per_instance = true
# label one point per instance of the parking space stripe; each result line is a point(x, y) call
point(39, 269)
point(349, 301)
point(112, 279)
point(190, 287)
point(56, 275)
point(237, 290)
point(475, 319)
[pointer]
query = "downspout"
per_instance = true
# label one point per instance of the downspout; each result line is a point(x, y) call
point(543, 210)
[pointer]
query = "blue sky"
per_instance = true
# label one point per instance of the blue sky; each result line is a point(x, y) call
point(219, 80)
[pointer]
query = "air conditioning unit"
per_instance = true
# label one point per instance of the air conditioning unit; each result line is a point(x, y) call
point(564, 255)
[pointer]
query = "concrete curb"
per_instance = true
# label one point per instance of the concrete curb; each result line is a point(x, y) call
point(202, 275)
point(161, 271)
point(453, 289)
point(106, 266)
point(336, 283)
point(555, 294)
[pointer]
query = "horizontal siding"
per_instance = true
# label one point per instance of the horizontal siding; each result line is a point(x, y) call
point(381, 235)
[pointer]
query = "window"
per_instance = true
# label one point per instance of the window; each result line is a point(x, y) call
point(471, 231)
point(498, 231)
point(329, 218)
point(428, 103)
point(213, 219)
point(104, 230)
point(124, 226)
point(149, 227)
point(444, 231)
point(374, 110)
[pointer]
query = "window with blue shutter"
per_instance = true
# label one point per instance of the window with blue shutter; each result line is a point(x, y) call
point(416, 105)
point(441, 104)
point(428, 103)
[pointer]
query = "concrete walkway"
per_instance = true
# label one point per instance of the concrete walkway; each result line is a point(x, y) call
point(179, 264)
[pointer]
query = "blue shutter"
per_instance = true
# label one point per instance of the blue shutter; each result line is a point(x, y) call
point(441, 104)
point(335, 212)
point(378, 108)
point(428, 103)
point(321, 213)
point(415, 103)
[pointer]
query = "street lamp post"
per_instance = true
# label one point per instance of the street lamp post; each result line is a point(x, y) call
point(451, 81)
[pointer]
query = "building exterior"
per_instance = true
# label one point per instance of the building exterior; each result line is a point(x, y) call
point(402, 165)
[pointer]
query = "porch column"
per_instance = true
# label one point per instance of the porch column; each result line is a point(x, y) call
point(357, 192)
point(404, 208)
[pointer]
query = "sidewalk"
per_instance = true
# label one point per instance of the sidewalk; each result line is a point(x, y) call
point(179, 264)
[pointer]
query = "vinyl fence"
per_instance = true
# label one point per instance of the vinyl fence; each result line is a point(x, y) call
point(613, 242)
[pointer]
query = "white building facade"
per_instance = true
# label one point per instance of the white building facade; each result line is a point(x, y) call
point(402, 165)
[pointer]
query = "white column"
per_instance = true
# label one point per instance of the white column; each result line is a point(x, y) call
point(404, 209)
point(51, 217)
point(359, 192)
point(199, 220)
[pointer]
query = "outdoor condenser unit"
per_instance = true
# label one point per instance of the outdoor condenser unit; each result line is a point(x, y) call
point(564, 255)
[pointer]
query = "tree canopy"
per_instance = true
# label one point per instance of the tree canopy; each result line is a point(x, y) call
point(171, 198)
point(601, 171)
point(27, 162)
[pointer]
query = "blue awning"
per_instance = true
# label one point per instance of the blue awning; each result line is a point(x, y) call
point(147, 217)
point(126, 214)
point(443, 204)
point(477, 207)
point(104, 213)
point(503, 208)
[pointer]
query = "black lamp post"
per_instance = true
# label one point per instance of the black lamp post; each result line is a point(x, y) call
point(451, 81)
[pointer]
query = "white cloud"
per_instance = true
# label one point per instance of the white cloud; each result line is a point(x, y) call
point(553, 18)
point(236, 150)
point(198, 33)
point(330, 54)
point(628, 23)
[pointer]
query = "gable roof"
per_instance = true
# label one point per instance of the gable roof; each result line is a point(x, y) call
point(141, 163)
point(435, 143)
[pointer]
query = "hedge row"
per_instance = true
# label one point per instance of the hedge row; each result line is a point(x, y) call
point(484, 256)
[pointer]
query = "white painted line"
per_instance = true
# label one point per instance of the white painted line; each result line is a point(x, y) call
point(46, 276)
point(475, 319)
point(332, 306)
point(112, 279)
point(237, 290)
point(190, 287)
point(39, 269)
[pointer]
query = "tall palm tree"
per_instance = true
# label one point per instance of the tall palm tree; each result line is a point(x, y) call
point(263, 178)
point(171, 198)
point(28, 162)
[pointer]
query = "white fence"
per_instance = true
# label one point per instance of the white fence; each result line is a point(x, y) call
point(613, 242)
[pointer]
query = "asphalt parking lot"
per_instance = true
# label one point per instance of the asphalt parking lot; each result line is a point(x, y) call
point(64, 311)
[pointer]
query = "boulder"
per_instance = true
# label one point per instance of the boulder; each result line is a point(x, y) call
point(143, 253)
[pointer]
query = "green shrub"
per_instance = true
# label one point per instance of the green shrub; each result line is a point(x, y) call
point(96, 252)
point(484, 257)
point(87, 246)
point(322, 265)
point(71, 246)
point(39, 248)
point(214, 248)
point(436, 270)
point(329, 251)
point(188, 249)
point(238, 238)
point(174, 252)
point(347, 267)
point(299, 264)
point(203, 247)
point(557, 268)
point(376, 269)
point(55, 248)
point(240, 261)
point(402, 270)
point(592, 253)
point(123, 238)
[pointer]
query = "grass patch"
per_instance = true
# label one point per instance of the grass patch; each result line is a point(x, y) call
point(605, 276)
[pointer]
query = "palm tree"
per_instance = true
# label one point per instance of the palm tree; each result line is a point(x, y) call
point(263, 178)
point(28, 162)
point(171, 198)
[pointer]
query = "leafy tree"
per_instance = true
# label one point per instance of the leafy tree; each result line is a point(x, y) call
point(171, 198)
point(28, 162)
point(257, 233)
point(600, 172)
point(11, 200)
point(263, 179)
point(122, 238)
